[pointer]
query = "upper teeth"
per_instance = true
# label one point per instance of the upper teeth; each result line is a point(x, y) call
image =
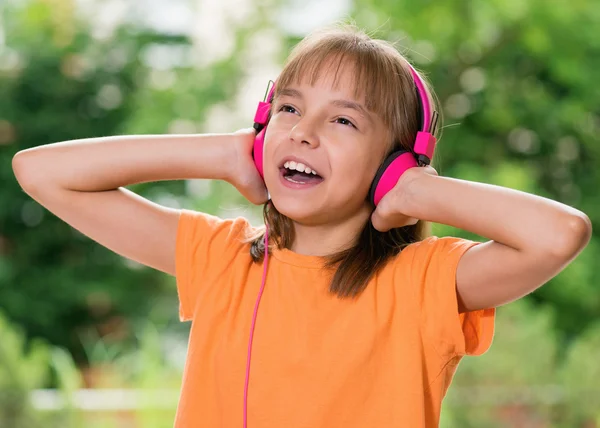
point(299, 167)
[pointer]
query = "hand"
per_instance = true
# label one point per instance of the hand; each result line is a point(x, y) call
point(391, 212)
point(243, 174)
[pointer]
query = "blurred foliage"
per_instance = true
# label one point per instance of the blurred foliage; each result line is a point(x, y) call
point(143, 365)
point(21, 371)
point(523, 381)
point(24, 367)
point(59, 82)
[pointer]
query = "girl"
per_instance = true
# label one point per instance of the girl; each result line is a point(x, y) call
point(363, 319)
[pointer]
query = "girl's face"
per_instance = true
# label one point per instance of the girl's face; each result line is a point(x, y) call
point(324, 128)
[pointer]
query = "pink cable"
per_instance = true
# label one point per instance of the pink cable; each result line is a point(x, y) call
point(252, 326)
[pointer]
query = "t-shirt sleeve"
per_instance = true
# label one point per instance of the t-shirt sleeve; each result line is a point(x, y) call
point(433, 270)
point(206, 247)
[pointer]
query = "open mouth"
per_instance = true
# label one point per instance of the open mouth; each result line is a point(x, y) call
point(298, 173)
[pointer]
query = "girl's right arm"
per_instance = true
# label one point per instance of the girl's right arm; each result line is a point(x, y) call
point(82, 181)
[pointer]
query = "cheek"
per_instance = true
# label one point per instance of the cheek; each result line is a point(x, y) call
point(354, 171)
point(273, 135)
point(357, 155)
point(273, 138)
point(277, 130)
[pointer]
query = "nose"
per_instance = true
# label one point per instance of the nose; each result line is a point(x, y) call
point(305, 132)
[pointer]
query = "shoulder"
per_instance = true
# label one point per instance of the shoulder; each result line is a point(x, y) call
point(418, 255)
point(212, 239)
point(437, 242)
point(432, 258)
point(436, 247)
point(196, 225)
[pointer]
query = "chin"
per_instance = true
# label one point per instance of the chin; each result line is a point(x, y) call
point(296, 210)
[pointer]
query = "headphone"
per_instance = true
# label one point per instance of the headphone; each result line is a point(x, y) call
point(393, 166)
point(385, 179)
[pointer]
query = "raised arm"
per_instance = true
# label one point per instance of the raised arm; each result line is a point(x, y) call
point(82, 181)
point(531, 238)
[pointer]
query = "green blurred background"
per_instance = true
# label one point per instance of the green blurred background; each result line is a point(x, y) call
point(89, 339)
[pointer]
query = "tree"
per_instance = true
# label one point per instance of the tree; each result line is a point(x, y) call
point(58, 82)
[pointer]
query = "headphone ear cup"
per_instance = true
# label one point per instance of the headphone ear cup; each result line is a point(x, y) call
point(257, 151)
point(261, 120)
point(389, 173)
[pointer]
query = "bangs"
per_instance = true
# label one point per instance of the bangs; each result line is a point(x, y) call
point(378, 77)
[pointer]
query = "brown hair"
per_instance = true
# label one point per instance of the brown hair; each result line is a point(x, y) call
point(382, 76)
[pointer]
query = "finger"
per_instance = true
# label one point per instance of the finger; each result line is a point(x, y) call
point(384, 224)
point(378, 222)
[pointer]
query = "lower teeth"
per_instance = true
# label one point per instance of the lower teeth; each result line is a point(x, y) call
point(294, 181)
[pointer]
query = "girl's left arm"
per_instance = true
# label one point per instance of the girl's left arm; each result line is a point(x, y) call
point(532, 238)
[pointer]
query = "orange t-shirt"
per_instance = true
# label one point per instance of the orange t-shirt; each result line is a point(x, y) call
point(385, 359)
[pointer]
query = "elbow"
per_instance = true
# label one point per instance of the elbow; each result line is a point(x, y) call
point(19, 166)
point(23, 170)
point(584, 230)
point(576, 234)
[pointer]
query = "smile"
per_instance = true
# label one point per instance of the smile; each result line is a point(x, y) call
point(295, 179)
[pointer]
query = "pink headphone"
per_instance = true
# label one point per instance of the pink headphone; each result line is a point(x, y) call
point(393, 166)
point(386, 178)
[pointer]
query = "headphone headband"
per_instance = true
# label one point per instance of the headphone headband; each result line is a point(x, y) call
point(429, 119)
point(422, 98)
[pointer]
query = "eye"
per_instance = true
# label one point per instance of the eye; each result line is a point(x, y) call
point(345, 121)
point(287, 108)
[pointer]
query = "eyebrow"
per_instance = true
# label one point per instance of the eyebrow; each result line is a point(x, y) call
point(354, 106)
point(338, 103)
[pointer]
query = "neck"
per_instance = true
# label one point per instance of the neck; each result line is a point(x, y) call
point(326, 239)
